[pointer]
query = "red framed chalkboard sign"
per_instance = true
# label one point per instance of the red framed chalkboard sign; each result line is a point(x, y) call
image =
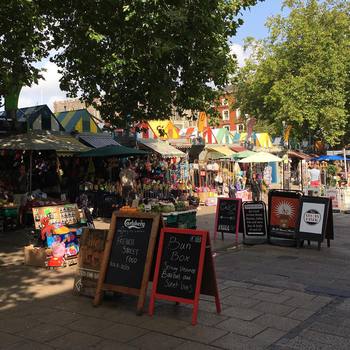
point(184, 269)
point(228, 215)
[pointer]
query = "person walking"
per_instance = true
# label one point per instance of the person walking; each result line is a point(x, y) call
point(255, 187)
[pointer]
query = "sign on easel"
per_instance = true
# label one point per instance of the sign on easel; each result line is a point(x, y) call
point(315, 216)
point(228, 213)
point(254, 222)
point(184, 269)
point(127, 260)
point(283, 213)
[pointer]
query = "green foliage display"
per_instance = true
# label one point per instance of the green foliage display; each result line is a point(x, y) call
point(300, 73)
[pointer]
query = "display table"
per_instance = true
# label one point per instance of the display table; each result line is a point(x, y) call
point(181, 219)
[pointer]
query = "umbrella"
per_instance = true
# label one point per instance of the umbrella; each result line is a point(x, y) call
point(261, 157)
point(326, 158)
point(42, 141)
point(113, 151)
point(243, 154)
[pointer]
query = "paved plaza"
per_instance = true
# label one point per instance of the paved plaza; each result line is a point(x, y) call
point(272, 297)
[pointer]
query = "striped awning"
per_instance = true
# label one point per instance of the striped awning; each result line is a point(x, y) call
point(80, 120)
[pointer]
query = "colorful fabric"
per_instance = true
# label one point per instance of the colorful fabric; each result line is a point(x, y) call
point(80, 120)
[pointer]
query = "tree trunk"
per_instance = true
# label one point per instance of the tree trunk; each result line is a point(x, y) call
point(11, 106)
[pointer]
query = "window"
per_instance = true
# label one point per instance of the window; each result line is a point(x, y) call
point(240, 127)
point(238, 114)
point(227, 127)
point(224, 102)
point(226, 114)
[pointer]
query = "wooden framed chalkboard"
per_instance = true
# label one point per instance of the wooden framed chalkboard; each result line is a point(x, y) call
point(254, 222)
point(314, 218)
point(184, 269)
point(228, 214)
point(127, 260)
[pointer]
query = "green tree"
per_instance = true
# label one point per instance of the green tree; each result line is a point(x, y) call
point(24, 41)
point(142, 58)
point(300, 73)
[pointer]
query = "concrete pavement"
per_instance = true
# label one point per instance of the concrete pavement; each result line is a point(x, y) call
point(272, 298)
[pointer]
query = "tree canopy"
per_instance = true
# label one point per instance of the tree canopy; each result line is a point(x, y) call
point(143, 58)
point(300, 74)
point(24, 41)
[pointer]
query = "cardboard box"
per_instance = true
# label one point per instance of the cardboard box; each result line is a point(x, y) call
point(35, 256)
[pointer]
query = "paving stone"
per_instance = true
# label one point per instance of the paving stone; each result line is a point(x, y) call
point(209, 306)
point(304, 344)
point(89, 325)
point(313, 305)
point(324, 338)
point(244, 314)
point(60, 317)
point(233, 300)
point(6, 340)
point(155, 340)
point(300, 301)
point(245, 328)
point(189, 345)
point(239, 292)
point(238, 284)
point(163, 324)
point(75, 340)
point(269, 336)
point(202, 334)
point(272, 298)
point(297, 294)
point(272, 308)
point(121, 333)
point(300, 314)
point(236, 342)
point(267, 289)
point(128, 317)
point(345, 305)
point(278, 322)
point(44, 332)
point(208, 318)
point(112, 345)
point(28, 345)
point(335, 329)
point(17, 324)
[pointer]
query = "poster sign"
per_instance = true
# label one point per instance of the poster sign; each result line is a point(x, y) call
point(254, 219)
point(314, 217)
point(128, 255)
point(182, 262)
point(283, 213)
point(92, 244)
point(227, 216)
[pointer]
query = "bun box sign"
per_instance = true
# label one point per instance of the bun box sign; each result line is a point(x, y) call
point(128, 255)
point(184, 269)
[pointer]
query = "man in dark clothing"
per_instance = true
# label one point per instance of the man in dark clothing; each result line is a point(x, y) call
point(255, 187)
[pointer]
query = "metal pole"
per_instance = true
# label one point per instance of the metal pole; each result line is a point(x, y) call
point(30, 171)
point(345, 166)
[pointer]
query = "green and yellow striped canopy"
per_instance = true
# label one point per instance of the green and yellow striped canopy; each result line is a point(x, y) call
point(80, 120)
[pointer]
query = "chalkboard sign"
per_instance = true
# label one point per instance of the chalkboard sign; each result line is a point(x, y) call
point(227, 216)
point(128, 255)
point(129, 251)
point(183, 257)
point(313, 219)
point(254, 218)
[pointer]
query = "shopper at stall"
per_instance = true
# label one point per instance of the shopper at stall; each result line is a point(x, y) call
point(315, 176)
point(255, 186)
point(127, 178)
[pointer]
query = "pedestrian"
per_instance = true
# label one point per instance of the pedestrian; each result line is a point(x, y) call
point(255, 186)
point(127, 178)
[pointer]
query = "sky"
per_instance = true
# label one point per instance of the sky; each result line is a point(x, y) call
point(48, 91)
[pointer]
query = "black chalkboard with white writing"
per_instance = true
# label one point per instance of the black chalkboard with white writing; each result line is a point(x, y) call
point(254, 218)
point(179, 264)
point(227, 215)
point(128, 254)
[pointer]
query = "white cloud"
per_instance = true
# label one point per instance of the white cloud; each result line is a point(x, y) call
point(46, 92)
point(240, 53)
